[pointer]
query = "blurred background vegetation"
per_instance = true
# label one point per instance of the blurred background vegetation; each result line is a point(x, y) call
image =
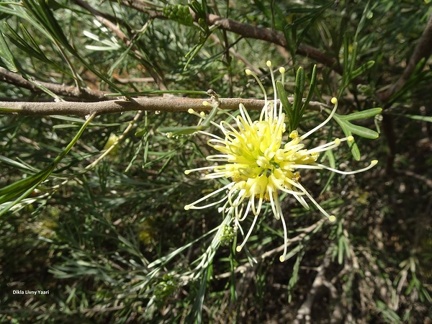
point(109, 237)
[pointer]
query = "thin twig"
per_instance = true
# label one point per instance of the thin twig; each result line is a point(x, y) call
point(130, 126)
point(105, 20)
point(237, 55)
point(59, 89)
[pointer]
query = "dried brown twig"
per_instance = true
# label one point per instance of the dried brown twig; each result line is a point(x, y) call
point(59, 89)
point(108, 22)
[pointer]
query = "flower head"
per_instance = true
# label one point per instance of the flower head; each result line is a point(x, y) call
point(261, 163)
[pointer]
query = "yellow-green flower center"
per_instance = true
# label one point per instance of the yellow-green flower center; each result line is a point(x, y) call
point(257, 161)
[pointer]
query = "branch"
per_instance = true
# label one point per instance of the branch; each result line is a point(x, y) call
point(272, 36)
point(248, 31)
point(422, 50)
point(155, 104)
point(304, 314)
point(105, 20)
point(59, 89)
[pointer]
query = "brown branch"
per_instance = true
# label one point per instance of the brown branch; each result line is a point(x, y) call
point(138, 5)
point(422, 50)
point(155, 104)
point(248, 31)
point(304, 313)
point(59, 89)
point(270, 35)
point(105, 20)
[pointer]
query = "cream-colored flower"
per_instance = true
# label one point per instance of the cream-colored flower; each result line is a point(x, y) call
point(260, 164)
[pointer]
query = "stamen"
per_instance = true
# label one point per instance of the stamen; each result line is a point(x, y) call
point(249, 72)
point(200, 169)
point(324, 122)
point(218, 157)
point(246, 212)
point(245, 114)
point(330, 145)
point(302, 201)
point(240, 247)
point(327, 146)
point(282, 72)
point(238, 226)
point(274, 90)
point(192, 206)
point(216, 175)
point(240, 196)
point(370, 166)
point(282, 257)
point(315, 202)
point(274, 203)
point(251, 204)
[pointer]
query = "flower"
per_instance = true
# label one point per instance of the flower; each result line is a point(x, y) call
point(260, 163)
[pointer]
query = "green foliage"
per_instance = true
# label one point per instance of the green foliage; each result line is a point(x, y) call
point(349, 128)
point(295, 111)
point(92, 208)
point(6, 55)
